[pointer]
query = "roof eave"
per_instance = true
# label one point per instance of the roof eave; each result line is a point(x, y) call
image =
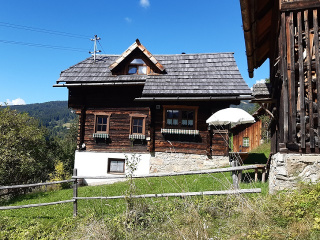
point(185, 98)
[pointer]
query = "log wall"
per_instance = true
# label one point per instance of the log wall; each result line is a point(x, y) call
point(118, 103)
point(252, 131)
point(295, 77)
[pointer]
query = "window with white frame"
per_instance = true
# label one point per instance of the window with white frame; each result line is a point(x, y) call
point(245, 142)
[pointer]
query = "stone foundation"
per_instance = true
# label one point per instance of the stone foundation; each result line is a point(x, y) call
point(286, 170)
point(179, 162)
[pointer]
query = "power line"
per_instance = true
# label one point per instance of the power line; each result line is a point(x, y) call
point(101, 47)
point(43, 46)
point(42, 30)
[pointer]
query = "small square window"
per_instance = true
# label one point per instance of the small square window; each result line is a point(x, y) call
point(245, 142)
point(116, 165)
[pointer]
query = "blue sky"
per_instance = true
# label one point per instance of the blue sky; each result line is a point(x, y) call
point(35, 41)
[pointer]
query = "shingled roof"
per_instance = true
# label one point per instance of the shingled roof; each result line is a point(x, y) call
point(210, 74)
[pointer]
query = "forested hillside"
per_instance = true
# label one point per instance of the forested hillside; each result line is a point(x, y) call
point(55, 115)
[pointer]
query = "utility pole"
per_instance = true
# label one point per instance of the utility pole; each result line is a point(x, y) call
point(95, 39)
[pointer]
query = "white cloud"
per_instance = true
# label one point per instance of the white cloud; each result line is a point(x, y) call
point(128, 20)
point(144, 3)
point(18, 101)
point(261, 81)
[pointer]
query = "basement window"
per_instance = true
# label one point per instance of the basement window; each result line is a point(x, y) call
point(116, 165)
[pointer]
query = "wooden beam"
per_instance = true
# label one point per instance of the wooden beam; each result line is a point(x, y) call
point(309, 76)
point(216, 170)
point(316, 46)
point(35, 184)
point(75, 194)
point(187, 194)
point(301, 82)
point(35, 205)
point(284, 78)
point(292, 81)
point(299, 5)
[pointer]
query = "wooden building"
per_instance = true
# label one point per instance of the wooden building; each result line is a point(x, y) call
point(287, 33)
point(247, 137)
point(150, 106)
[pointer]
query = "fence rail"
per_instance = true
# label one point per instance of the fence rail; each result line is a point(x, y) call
point(35, 184)
point(235, 171)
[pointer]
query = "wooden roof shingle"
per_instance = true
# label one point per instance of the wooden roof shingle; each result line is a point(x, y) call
point(209, 74)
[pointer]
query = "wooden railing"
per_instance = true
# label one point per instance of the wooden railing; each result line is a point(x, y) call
point(36, 185)
point(235, 176)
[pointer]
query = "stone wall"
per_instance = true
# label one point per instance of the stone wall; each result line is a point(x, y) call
point(286, 170)
point(178, 162)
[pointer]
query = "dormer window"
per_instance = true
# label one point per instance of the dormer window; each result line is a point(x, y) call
point(137, 66)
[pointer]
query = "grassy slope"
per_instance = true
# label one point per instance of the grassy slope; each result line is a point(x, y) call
point(286, 215)
point(257, 216)
point(46, 221)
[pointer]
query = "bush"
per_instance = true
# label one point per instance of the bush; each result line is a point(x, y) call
point(25, 155)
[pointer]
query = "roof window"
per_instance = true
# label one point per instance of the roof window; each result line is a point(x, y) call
point(137, 66)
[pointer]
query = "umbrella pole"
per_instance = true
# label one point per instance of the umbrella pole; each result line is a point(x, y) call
point(233, 162)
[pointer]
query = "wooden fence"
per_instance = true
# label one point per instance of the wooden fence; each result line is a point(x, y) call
point(236, 171)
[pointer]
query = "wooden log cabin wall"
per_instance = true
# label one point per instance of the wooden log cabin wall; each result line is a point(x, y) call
point(295, 78)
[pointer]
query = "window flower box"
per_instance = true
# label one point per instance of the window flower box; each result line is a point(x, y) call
point(179, 131)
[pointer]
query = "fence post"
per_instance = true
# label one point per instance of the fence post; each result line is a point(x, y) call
point(75, 193)
point(235, 178)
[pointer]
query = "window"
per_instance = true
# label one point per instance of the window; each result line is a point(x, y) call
point(101, 127)
point(245, 142)
point(137, 126)
point(116, 165)
point(180, 117)
point(101, 124)
point(137, 66)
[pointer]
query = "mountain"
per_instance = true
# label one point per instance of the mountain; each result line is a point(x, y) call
point(55, 115)
point(247, 106)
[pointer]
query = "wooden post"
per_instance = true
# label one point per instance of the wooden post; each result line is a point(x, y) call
point(309, 77)
point(240, 176)
point(316, 46)
point(284, 74)
point(292, 80)
point(235, 179)
point(75, 194)
point(301, 82)
point(256, 174)
point(263, 179)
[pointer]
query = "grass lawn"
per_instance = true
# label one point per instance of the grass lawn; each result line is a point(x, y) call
point(52, 221)
point(286, 215)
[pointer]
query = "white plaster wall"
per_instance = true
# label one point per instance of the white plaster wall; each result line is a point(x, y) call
point(96, 164)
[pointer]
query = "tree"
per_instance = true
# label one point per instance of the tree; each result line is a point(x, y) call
point(67, 145)
point(25, 155)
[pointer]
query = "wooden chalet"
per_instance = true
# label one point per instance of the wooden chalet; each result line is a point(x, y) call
point(287, 33)
point(149, 104)
point(247, 137)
